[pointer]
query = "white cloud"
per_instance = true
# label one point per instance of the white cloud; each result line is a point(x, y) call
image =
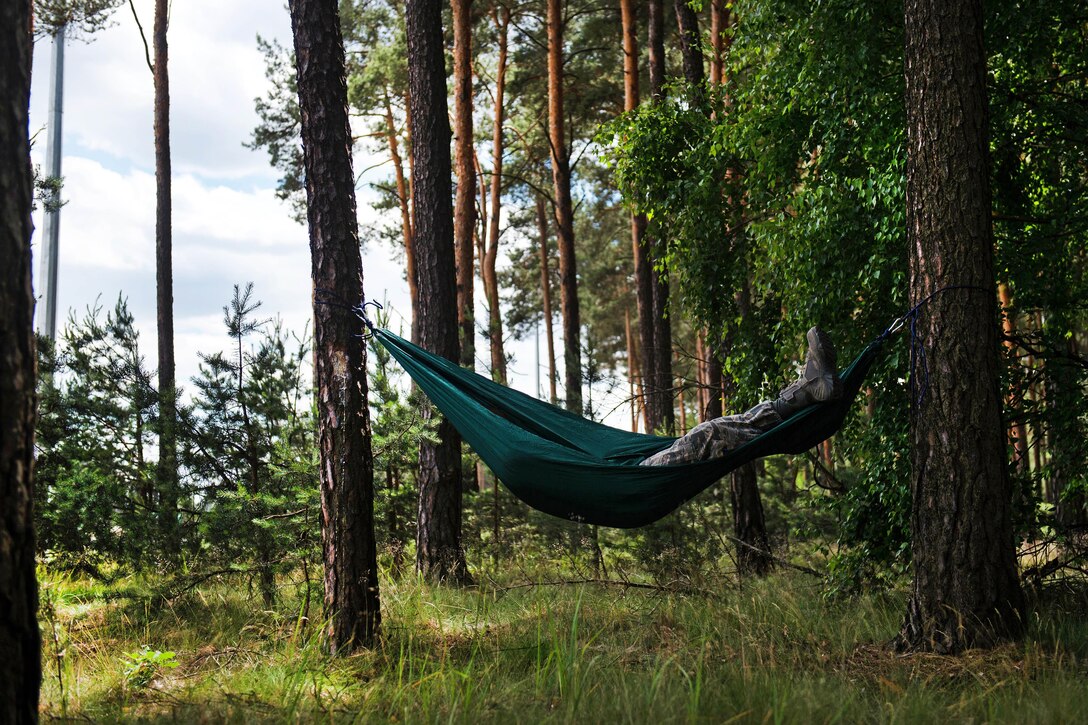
point(228, 226)
point(215, 73)
point(108, 222)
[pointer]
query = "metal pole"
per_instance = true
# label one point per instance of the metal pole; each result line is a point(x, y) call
point(47, 316)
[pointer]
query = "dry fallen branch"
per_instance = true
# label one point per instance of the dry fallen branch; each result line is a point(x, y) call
point(609, 582)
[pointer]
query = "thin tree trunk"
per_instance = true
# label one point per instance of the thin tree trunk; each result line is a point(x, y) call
point(1018, 436)
point(632, 370)
point(690, 48)
point(749, 526)
point(644, 280)
point(700, 376)
point(714, 382)
point(439, 555)
point(267, 575)
point(661, 389)
point(715, 375)
point(346, 460)
point(655, 39)
point(546, 295)
point(464, 214)
point(564, 211)
point(404, 201)
point(718, 14)
point(491, 280)
point(680, 407)
point(20, 640)
point(965, 591)
point(392, 521)
point(657, 373)
point(164, 290)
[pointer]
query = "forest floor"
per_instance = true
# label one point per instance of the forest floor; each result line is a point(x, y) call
point(772, 650)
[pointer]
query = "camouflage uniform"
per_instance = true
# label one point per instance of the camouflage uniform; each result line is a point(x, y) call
point(818, 383)
point(714, 437)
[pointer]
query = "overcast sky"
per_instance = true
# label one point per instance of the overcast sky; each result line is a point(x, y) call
point(229, 227)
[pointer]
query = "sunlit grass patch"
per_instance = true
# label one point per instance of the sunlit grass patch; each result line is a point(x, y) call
point(773, 650)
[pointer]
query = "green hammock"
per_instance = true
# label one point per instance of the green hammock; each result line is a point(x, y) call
point(573, 468)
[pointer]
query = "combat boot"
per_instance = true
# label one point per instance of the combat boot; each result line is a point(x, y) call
point(819, 381)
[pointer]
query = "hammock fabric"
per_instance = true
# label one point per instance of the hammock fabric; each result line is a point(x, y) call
point(573, 468)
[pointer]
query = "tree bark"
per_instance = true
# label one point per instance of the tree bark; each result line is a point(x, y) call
point(749, 527)
point(1018, 435)
point(346, 460)
point(564, 212)
point(691, 48)
point(404, 201)
point(546, 296)
point(439, 555)
point(655, 39)
point(718, 15)
point(20, 640)
point(714, 382)
point(657, 355)
point(681, 413)
point(632, 370)
point(644, 279)
point(464, 214)
point(965, 591)
point(659, 396)
point(490, 276)
point(164, 287)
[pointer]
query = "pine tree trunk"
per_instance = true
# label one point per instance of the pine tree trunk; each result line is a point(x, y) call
point(632, 370)
point(439, 555)
point(695, 75)
point(681, 411)
point(718, 20)
point(564, 212)
point(714, 382)
point(965, 591)
point(404, 202)
point(655, 39)
point(661, 390)
point(491, 279)
point(1018, 436)
point(749, 527)
point(644, 281)
point(464, 214)
point(546, 296)
point(346, 460)
point(657, 355)
point(20, 640)
point(691, 48)
point(164, 286)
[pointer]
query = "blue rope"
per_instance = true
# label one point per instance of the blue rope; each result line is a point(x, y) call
point(328, 297)
point(917, 349)
point(918, 355)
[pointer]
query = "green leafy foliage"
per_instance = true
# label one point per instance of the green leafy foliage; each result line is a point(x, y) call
point(398, 426)
point(95, 479)
point(250, 454)
point(145, 664)
point(783, 207)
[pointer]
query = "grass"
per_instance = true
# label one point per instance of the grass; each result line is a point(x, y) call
point(771, 651)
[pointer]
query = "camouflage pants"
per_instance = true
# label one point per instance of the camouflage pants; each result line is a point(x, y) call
point(714, 437)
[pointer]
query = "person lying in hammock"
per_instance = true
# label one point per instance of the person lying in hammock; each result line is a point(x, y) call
point(819, 382)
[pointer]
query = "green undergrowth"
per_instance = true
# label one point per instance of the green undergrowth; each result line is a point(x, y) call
point(766, 651)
